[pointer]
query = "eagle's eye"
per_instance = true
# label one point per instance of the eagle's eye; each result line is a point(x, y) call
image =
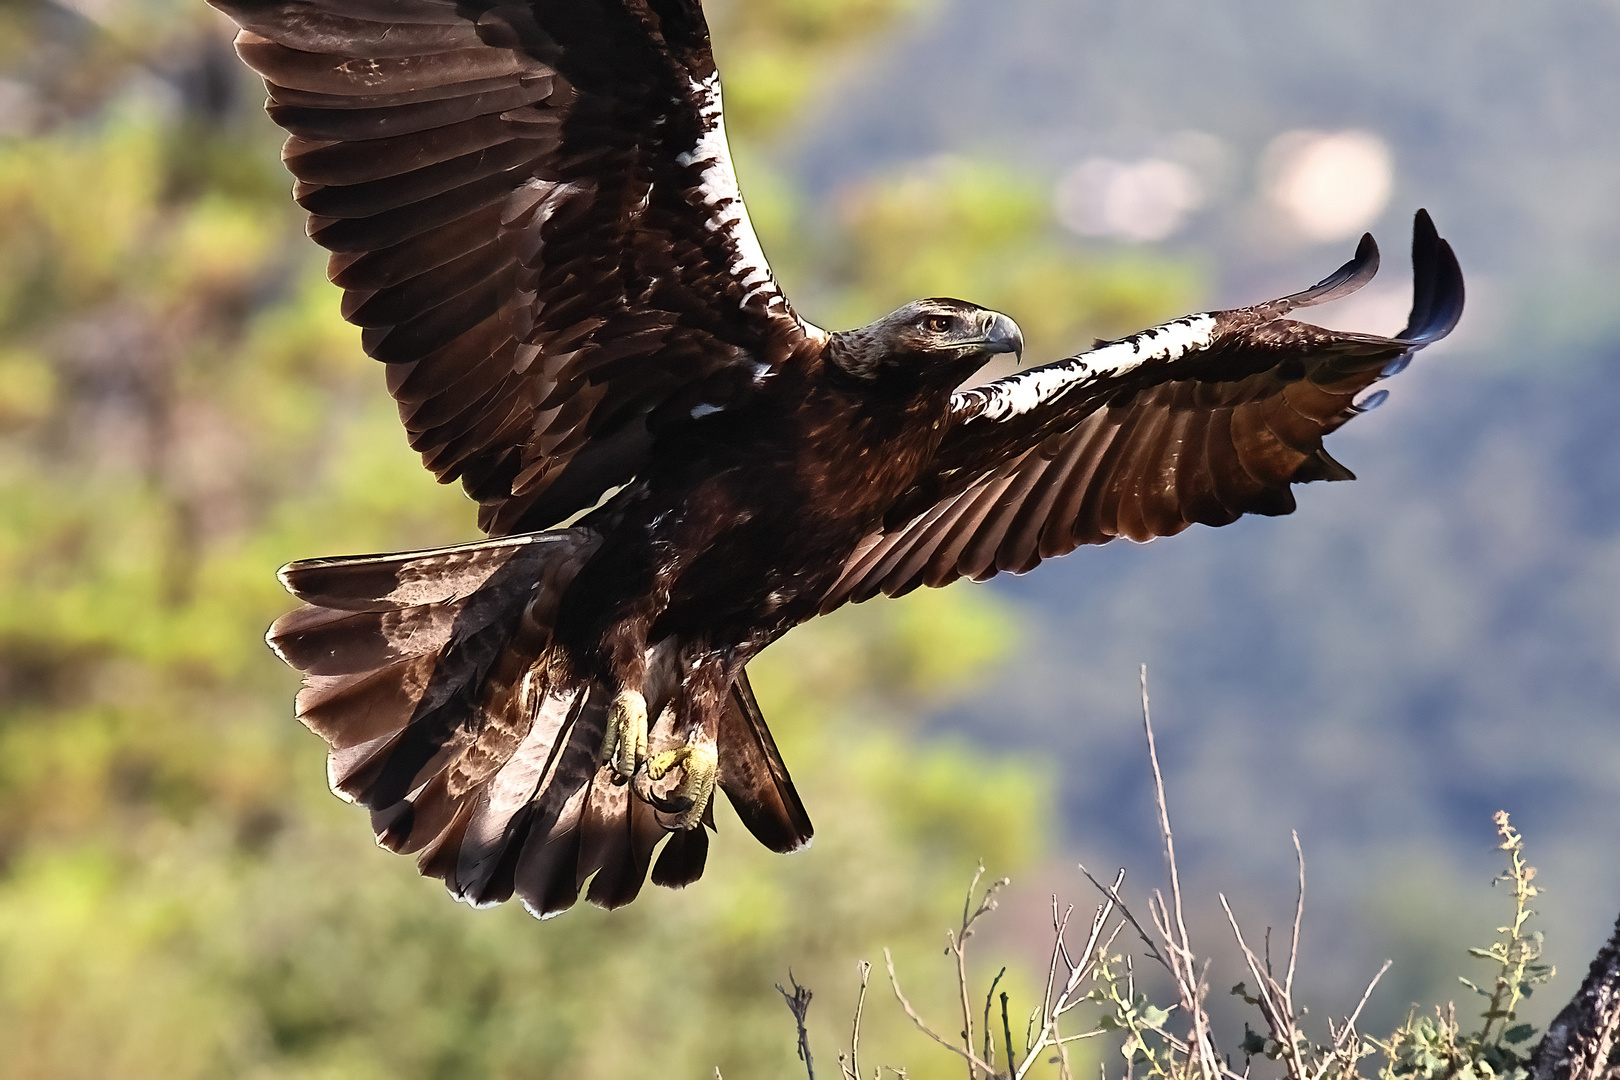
point(937, 324)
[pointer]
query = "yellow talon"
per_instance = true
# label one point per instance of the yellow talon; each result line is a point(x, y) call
point(658, 767)
point(624, 744)
point(696, 787)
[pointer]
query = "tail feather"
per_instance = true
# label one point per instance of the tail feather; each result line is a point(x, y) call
point(682, 860)
point(617, 835)
point(411, 578)
point(603, 833)
point(544, 838)
point(346, 768)
point(347, 710)
point(528, 790)
point(439, 855)
point(409, 826)
point(334, 641)
point(453, 716)
point(546, 874)
point(754, 778)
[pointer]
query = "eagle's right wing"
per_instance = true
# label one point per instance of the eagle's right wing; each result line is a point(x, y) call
point(1201, 420)
point(532, 212)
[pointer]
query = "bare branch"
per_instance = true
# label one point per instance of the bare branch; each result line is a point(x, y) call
point(1164, 813)
point(1059, 924)
point(989, 1039)
point(1350, 1024)
point(1077, 972)
point(1006, 1034)
point(1188, 983)
point(798, 1004)
point(1299, 915)
point(958, 948)
point(922, 1025)
point(1276, 1004)
point(854, 1070)
point(1113, 894)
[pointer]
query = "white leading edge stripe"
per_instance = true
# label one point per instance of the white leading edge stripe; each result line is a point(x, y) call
point(724, 200)
point(1018, 394)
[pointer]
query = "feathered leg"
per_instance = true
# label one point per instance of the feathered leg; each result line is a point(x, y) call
point(694, 759)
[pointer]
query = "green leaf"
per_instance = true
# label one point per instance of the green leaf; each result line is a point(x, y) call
point(1518, 1033)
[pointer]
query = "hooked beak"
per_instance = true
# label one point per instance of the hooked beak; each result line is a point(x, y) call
point(1003, 336)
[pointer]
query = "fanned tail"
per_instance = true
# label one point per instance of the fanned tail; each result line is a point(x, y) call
point(455, 717)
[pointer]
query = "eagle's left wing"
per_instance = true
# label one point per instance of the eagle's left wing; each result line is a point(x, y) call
point(532, 212)
point(1203, 420)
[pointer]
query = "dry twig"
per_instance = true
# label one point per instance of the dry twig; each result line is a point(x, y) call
point(852, 1068)
point(1190, 986)
point(973, 1060)
point(798, 1004)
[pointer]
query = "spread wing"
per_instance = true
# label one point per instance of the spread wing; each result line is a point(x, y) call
point(532, 212)
point(1203, 420)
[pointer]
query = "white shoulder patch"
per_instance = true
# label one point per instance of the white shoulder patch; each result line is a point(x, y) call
point(724, 202)
point(1019, 394)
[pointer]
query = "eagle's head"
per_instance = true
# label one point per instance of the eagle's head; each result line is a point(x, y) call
point(936, 341)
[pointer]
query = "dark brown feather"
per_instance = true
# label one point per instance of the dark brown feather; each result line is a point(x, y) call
point(754, 777)
point(682, 861)
point(1206, 430)
point(502, 176)
point(347, 710)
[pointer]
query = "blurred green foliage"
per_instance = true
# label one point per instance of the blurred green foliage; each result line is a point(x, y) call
point(181, 410)
point(977, 230)
point(775, 54)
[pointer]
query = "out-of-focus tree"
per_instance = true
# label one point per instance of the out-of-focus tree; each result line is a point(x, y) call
point(181, 410)
point(956, 227)
point(776, 54)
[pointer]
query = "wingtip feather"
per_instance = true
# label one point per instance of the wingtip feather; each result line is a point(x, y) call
point(1438, 293)
point(1362, 268)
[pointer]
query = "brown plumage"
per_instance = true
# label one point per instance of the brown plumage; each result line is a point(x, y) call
point(532, 213)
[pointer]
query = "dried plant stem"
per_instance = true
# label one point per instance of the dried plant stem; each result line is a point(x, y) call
point(973, 1060)
point(1190, 986)
point(852, 1070)
point(1276, 1004)
point(1299, 916)
point(1341, 1040)
point(1580, 1045)
point(989, 1039)
point(798, 1004)
point(959, 951)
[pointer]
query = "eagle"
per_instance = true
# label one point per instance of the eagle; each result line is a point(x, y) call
point(533, 216)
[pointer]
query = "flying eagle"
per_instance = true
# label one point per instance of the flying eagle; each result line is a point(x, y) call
point(533, 215)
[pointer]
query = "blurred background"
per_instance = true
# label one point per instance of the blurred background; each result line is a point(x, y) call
point(181, 411)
